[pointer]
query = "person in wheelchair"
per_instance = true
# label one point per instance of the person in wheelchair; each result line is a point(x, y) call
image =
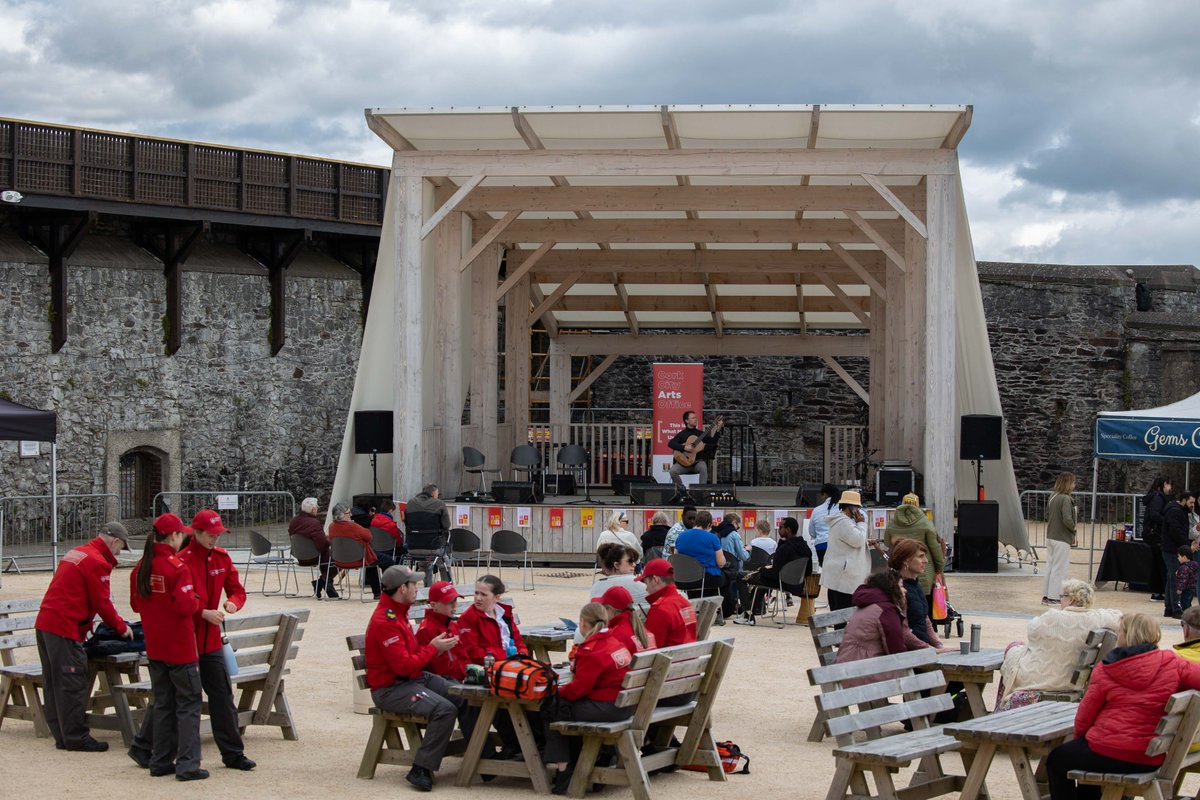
point(427, 537)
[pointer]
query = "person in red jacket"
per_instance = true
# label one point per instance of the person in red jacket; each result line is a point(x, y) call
point(399, 677)
point(212, 573)
point(600, 665)
point(78, 592)
point(163, 592)
point(625, 620)
point(1121, 709)
point(671, 619)
point(385, 519)
point(344, 527)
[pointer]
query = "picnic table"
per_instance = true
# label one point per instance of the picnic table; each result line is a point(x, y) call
point(1023, 734)
point(973, 671)
point(544, 639)
point(109, 708)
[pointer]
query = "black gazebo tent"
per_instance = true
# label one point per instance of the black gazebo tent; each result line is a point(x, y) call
point(17, 423)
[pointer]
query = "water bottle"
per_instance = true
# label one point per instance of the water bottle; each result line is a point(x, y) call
point(511, 650)
point(976, 631)
point(488, 660)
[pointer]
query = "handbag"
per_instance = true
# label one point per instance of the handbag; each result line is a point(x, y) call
point(938, 611)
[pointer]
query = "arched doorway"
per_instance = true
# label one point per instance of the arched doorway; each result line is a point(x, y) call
point(140, 472)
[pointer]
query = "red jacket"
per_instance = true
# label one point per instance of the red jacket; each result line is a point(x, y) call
point(212, 572)
point(484, 634)
point(78, 592)
point(600, 665)
point(671, 618)
point(622, 627)
point(1125, 700)
point(167, 613)
point(452, 663)
point(393, 654)
point(344, 529)
point(384, 522)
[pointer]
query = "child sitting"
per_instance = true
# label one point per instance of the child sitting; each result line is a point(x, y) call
point(1185, 577)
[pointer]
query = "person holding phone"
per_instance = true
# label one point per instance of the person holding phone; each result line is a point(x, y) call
point(847, 562)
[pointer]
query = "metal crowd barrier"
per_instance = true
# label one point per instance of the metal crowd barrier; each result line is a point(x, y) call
point(1113, 510)
point(265, 512)
point(25, 536)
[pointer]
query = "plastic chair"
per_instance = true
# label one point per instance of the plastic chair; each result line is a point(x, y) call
point(511, 546)
point(473, 464)
point(261, 551)
point(574, 458)
point(346, 551)
point(465, 542)
point(689, 573)
point(651, 554)
point(384, 545)
point(526, 458)
point(303, 549)
point(791, 581)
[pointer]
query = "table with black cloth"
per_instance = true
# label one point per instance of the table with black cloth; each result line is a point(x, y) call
point(1125, 562)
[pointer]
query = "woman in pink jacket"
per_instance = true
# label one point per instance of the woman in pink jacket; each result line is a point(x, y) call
point(1121, 709)
point(877, 627)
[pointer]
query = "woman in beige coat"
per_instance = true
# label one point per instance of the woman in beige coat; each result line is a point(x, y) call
point(847, 562)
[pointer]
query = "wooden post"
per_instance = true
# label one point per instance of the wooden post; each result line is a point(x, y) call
point(408, 410)
point(447, 338)
point(941, 411)
point(516, 364)
point(912, 389)
point(893, 391)
point(485, 379)
point(877, 426)
point(560, 391)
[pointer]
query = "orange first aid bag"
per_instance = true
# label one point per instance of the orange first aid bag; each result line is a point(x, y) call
point(522, 678)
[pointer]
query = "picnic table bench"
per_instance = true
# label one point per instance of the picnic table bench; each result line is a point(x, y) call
point(827, 631)
point(706, 609)
point(264, 645)
point(1175, 734)
point(1099, 642)
point(21, 684)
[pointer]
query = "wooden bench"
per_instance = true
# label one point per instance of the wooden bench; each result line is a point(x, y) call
point(1175, 734)
point(827, 638)
point(864, 709)
point(706, 609)
point(1099, 642)
point(21, 683)
point(655, 675)
point(385, 744)
point(264, 644)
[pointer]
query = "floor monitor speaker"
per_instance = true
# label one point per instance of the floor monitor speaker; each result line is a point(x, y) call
point(892, 484)
point(620, 482)
point(808, 495)
point(977, 543)
point(651, 494)
point(560, 483)
point(372, 432)
point(979, 437)
point(515, 492)
point(713, 494)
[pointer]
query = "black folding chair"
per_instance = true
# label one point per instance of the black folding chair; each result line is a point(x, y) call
point(574, 458)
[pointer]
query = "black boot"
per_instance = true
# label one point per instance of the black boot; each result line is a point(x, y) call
point(317, 587)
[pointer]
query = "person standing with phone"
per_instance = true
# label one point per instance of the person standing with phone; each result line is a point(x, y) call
point(847, 562)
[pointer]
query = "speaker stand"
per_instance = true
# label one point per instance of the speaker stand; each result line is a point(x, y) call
point(375, 470)
point(978, 479)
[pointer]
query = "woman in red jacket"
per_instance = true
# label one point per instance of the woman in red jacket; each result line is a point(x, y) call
point(343, 527)
point(600, 665)
point(1121, 709)
point(625, 620)
point(162, 591)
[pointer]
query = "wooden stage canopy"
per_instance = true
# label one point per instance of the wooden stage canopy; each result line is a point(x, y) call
point(828, 231)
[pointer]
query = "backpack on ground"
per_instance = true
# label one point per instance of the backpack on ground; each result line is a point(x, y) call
point(730, 755)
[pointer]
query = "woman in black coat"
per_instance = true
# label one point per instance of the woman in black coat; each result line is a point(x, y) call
point(1155, 503)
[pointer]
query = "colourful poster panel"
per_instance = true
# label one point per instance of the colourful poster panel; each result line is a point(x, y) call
point(677, 388)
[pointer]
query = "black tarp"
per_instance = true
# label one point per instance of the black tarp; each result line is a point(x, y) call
point(18, 422)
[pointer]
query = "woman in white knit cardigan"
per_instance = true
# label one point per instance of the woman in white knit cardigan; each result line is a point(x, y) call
point(615, 531)
point(1045, 662)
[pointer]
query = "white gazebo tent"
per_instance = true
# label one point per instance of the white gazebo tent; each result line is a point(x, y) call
point(819, 223)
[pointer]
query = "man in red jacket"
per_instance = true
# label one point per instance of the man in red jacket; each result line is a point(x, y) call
point(212, 573)
point(396, 673)
point(78, 592)
point(671, 617)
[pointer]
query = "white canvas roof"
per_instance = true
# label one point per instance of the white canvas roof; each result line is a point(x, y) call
point(1186, 410)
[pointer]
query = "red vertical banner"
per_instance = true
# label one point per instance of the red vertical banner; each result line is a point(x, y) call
point(677, 388)
point(495, 517)
point(648, 516)
point(749, 520)
point(556, 518)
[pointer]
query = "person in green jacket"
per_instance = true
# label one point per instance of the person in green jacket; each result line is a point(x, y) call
point(910, 522)
point(1060, 536)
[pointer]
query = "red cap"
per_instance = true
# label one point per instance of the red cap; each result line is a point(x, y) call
point(166, 524)
point(209, 521)
point(443, 592)
point(617, 597)
point(658, 568)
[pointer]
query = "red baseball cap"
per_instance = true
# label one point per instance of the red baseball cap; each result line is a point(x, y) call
point(209, 521)
point(443, 592)
point(617, 597)
point(658, 568)
point(166, 524)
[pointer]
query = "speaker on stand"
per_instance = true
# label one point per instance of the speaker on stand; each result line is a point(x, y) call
point(373, 435)
point(979, 439)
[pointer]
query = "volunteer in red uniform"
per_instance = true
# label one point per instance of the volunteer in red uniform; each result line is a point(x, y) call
point(212, 573)
point(671, 619)
point(439, 620)
point(163, 592)
point(385, 519)
point(397, 673)
point(624, 620)
point(78, 592)
point(600, 665)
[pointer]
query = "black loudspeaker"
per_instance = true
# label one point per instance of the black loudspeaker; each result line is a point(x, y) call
point(977, 543)
point(713, 494)
point(892, 484)
point(515, 492)
point(651, 494)
point(979, 437)
point(560, 483)
point(620, 482)
point(372, 432)
point(808, 495)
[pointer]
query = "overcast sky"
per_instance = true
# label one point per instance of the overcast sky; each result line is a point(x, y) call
point(1084, 148)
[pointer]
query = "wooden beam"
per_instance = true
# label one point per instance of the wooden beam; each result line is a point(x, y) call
point(446, 330)
point(626, 307)
point(655, 162)
point(845, 298)
point(854, 385)
point(881, 241)
point(553, 297)
point(537, 298)
point(560, 391)
point(683, 197)
point(487, 238)
point(738, 278)
point(450, 205)
point(520, 271)
point(709, 345)
point(958, 129)
point(895, 202)
point(857, 268)
point(718, 304)
point(691, 262)
point(591, 377)
point(735, 231)
point(485, 356)
point(800, 303)
point(714, 307)
point(941, 411)
point(516, 363)
point(408, 414)
point(388, 134)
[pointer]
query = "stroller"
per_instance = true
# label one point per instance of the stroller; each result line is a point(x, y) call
point(429, 551)
point(952, 617)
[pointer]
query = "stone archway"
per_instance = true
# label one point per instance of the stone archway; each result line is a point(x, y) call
point(140, 476)
point(138, 465)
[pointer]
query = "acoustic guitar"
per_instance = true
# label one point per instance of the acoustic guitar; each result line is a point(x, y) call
point(688, 459)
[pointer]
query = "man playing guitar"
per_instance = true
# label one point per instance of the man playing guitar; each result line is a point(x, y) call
point(693, 450)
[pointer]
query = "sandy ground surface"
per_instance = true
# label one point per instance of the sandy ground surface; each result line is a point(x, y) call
point(766, 706)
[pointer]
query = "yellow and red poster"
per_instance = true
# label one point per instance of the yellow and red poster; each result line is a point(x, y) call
point(677, 388)
point(556, 518)
point(495, 516)
point(749, 519)
point(523, 516)
point(462, 516)
point(647, 515)
point(587, 517)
